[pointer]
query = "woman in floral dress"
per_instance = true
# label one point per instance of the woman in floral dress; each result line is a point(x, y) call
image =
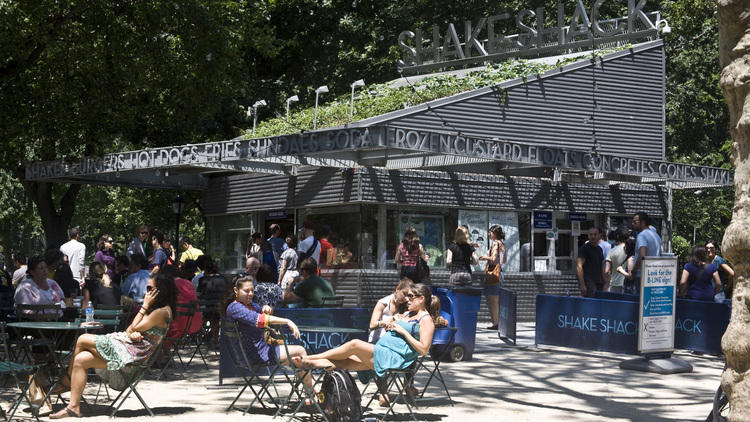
point(115, 350)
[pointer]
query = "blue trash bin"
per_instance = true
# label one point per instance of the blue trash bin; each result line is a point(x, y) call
point(462, 304)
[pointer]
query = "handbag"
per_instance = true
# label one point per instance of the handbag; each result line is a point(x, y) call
point(273, 336)
point(492, 274)
point(423, 270)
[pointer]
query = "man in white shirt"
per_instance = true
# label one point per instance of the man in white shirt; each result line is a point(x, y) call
point(76, 252)
point(20, 273)
point(309, 246)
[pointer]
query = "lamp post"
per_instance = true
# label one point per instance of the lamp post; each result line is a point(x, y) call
point(177, 207)
point(321, 90)
point(356, 84)
point(292, 99)
point(257, 104)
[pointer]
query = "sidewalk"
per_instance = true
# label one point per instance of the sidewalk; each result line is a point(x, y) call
point(501, 383)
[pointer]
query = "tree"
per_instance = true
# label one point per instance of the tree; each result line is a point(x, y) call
point(85, 78)
point(734, 54)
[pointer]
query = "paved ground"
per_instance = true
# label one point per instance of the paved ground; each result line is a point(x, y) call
point(501, 383)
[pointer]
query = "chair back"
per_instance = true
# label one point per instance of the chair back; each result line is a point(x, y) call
point(333, 301)
point(4, 339)
point(38, 313)
point(232, 334)
point(187, 312)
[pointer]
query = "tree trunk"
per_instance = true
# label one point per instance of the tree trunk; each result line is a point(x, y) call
point(734, 55)
point(55, 223)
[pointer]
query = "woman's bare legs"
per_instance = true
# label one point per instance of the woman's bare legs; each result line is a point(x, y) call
point(493, 302)
point(355, 355)
point(85, 356)
point(295, 352)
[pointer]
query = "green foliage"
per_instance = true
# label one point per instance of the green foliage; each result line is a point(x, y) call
point(118, 211)
point(681, 248)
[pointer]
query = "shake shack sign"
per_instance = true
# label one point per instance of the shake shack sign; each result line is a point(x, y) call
point(474, 42)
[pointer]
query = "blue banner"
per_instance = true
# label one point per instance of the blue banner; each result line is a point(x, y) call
point(611, 325)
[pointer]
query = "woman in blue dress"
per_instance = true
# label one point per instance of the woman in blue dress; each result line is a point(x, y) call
point(408, 336)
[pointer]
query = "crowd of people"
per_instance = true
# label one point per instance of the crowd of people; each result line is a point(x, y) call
point(616, 266)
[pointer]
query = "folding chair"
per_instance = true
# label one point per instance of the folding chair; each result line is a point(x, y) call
point(232, 334)
point(398, 378)
point(441, 345)
point(200, 338)
point(187, 311)
point(133, 374)
point(17, 371)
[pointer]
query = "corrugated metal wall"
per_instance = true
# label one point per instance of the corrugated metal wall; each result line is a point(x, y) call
point(461, 190)
point(251, 192)
point(556, 109)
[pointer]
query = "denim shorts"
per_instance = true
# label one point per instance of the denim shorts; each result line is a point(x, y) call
point(493, 290)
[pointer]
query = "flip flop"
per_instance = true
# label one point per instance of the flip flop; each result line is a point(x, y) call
point(65, 413)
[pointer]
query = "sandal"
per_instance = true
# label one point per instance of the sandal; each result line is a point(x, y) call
point(61, 387)
point(65, 413)
point(383, 401)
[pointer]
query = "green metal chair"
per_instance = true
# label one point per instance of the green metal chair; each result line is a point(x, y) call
point(252, 374)
point(17, 371)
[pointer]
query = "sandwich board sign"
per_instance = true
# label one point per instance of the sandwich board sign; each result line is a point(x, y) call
point(656, 312)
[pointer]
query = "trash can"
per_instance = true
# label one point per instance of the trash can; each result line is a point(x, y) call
point(462, 305)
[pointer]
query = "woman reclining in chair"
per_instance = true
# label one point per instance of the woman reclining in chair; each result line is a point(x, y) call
point(409, 335)
point(115, 350)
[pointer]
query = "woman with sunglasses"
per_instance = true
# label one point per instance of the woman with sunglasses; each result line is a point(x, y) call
point(408, 336)
point(115, 350)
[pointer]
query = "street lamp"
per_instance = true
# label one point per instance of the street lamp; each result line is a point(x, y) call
point(178, 205)
point(292, 99)
point(257, 104)
point(356, 84)
point(321, 90)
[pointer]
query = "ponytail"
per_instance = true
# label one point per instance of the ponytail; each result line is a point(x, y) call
point(432, 303)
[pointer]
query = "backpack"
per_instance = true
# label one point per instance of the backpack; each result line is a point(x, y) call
point(340, 398)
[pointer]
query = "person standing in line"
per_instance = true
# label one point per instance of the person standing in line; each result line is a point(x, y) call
point(252, 250)
point(726, 273)
point(459, 258)
point(309, 246)
point(159, 260)
point(613, 280)
point(191, 252)
point(589, 268)
point(408, 253)
point(495, 256)
point(606, 247)
point(288, 271)
point(19, 260)
point(76, 252)
point(277, 242)
point(327, 251)
point(105, 255)
point(648, 243)
point(697, 275)
point(138, 244)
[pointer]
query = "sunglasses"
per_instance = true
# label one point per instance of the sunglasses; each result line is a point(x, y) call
point(144, 232)
point(149, 288)
point(412, 295)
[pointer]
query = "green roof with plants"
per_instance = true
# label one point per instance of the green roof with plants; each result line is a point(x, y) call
point(378, 99)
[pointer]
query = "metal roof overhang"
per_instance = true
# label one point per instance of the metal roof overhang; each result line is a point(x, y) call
point(187, 167)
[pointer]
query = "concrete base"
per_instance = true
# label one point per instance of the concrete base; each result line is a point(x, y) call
point(660, 366)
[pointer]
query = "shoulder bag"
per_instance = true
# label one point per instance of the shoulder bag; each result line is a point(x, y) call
point(492, 272)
